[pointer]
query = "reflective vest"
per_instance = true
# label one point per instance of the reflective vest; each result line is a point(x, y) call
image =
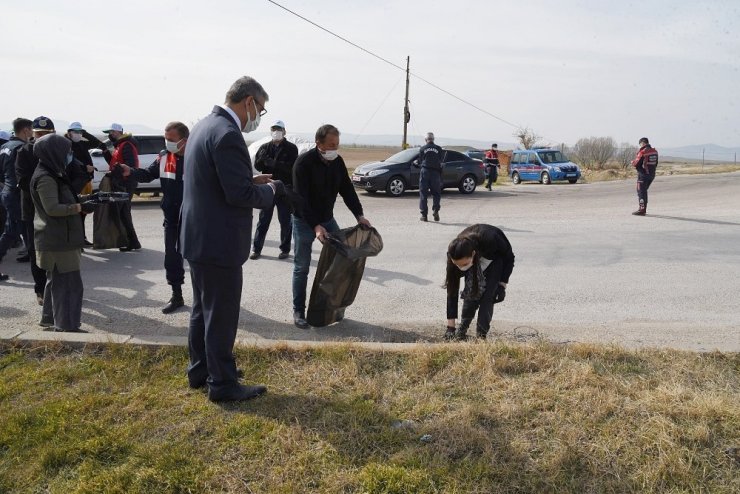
point(117, 155)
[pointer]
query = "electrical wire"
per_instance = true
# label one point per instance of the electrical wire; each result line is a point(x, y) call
point(377, 109)
point(396, 66)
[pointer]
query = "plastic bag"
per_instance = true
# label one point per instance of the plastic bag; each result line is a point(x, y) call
point(108, 230)
point(339, 273)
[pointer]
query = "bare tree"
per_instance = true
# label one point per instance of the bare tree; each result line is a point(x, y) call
point(527, 137)
point(594, 152)
point(626, 154)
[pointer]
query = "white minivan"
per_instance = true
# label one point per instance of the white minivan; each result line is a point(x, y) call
point(149, 148)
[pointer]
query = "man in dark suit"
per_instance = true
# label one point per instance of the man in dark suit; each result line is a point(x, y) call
point(216, 225)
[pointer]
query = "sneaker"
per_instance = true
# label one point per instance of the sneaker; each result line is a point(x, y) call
point(4, 277)
point(255, 255)
point(23, 257)
point(88, 243)
point(46, 323)
point(639, 212)
point(283, 255)
point(435, 215)
point(449, 334)
point(423, 217)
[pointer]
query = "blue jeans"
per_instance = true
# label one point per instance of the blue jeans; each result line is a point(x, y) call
point(303, 237)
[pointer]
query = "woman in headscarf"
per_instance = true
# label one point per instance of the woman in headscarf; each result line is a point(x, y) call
point(58, 233)
point(482, 255)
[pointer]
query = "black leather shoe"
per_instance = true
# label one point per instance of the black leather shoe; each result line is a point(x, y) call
point(77, 330)
point(299, 319)
point(423, 218)
point(4, 277)
point(23, 258)
point(174, 304)
point(88, 243)
point(46, 323)
point(201, 383)
point(283, 255)
point(436, 216)
point(639, 212)
point(241, 393)
point(255, 255)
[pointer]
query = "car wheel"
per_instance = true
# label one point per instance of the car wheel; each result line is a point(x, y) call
point(467, 184)
point(396, 186)
point(546, 178)
point(515, 178)
point(572, 180)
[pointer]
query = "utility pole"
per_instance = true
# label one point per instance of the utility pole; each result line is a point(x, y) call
point(406, 114)
point(702, 160)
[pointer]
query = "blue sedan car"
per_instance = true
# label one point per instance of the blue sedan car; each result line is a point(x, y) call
point(542, 165)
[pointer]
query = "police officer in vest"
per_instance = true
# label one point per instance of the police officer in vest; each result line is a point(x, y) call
point(168, 168)
point(645, 163)
point(430, 160)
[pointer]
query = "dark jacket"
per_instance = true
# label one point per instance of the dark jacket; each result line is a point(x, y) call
point(317, 183)
point(25, 165)
point(170, 182)
point(492, 244)
point(126, 152)
point(57, 226)
point(81, 149)
point(277, 160)
point(646, 159)
point(8, 153)
point(218, 193)
point(431, 156)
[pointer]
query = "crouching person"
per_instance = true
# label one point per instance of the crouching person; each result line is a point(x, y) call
point(58, 233)
point(482, 255)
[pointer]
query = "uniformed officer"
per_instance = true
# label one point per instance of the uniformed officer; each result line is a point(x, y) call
point(645, 163)
point(430, 160)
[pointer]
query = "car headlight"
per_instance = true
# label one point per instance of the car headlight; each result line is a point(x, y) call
point(375, 173)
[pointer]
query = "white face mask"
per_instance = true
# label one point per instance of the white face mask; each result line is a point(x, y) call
point(329, 155)
point(252, 125)
point(277, 135)
point(75, 137)
point(172, 147)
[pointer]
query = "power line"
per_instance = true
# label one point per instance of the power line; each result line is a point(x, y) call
point(395, 65)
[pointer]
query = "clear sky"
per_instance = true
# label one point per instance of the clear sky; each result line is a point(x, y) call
point(667, 69)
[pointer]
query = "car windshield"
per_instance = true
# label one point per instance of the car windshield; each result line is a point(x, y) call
point(552, 157)
point(404, 156)
point(479, 155)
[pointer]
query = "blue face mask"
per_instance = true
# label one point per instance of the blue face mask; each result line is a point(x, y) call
point(70, 157)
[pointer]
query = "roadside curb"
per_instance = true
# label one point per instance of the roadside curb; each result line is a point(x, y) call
point(83, 339)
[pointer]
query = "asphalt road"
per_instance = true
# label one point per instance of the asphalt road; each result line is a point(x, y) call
point(586, 270)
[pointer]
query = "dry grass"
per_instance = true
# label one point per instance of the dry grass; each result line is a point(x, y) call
point(499, 418)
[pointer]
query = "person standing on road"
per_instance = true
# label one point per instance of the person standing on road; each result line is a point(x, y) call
point(122, 150)
point(276, 158)
point(82, 142)
point(430, 181)
point(491, 160)
point(10, 195)
point(482, 255)
point(168, 168)
point(319, 175)
point(58, 230)
point(25, 165)
point(645, 163)
point(216, 225)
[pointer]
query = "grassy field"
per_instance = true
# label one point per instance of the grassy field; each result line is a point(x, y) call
point(445, 419)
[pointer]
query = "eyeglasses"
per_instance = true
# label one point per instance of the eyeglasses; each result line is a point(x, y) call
point(263, 111)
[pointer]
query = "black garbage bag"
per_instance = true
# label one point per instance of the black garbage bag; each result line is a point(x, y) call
point(108, 229)
point(340, 270)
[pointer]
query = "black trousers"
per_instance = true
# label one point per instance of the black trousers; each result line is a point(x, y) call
point(39, 275)
point(498, 271)
point(286, 226)
point(214, 319)
point(644, 179)
point(173, 263)
point(430, 182)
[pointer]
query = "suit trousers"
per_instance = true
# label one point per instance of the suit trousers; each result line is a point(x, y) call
point(214, 319)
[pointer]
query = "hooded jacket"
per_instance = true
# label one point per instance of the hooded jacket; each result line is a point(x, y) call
point(57, 225)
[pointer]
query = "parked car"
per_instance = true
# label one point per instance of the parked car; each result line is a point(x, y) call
point(397, 174)
point(542, 165)
point(148, 146)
